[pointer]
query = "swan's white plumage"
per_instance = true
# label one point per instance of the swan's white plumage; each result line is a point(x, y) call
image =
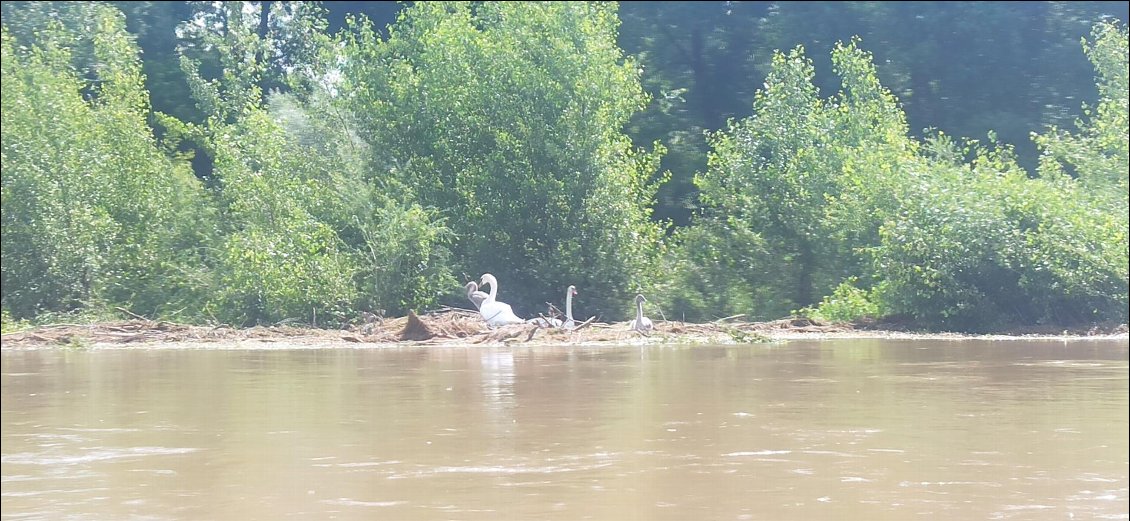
point(494, 312)
point(641, 323)
point(474, 295)
point(569, 323)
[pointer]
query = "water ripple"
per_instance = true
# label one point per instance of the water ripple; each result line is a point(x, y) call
point(31, 458)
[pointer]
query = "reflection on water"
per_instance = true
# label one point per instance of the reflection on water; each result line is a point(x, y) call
point(862, 429)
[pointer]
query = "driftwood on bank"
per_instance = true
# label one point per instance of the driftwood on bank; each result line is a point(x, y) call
point(451, 326)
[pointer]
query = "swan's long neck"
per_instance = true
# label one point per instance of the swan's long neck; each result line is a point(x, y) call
point(569, 305)
point(639, 311)
point(489, 279)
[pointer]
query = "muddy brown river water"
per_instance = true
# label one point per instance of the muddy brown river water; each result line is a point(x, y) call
point(803, 430)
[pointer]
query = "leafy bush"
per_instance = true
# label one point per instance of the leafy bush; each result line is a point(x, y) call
point(402, 247)
point(276, 259)
point(983, 246)
point(846, 303)
point(311, 232)
point(10, 325)
point(713, 270)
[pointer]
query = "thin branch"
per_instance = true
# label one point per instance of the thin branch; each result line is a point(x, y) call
point(132, 314)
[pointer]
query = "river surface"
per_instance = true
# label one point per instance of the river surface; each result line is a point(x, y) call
point(804, 430)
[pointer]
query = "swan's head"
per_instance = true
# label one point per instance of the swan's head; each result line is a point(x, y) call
point(471, 287)
point(487, 278)
point(571, 291)
point(640, 299)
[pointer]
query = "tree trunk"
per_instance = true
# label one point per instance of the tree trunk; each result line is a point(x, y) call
point(807, 265)
point(700, 70)
point(260, 55)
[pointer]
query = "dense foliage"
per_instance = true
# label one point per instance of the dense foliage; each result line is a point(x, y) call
point(836, 193)
point(377, 168)
point(94, 211)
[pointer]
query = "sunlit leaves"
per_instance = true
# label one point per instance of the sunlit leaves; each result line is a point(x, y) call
point(1098, 154)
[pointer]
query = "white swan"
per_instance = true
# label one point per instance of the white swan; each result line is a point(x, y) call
point(474, 295)
point(569, 323)
point(494, 312)
point(487, 278)
point(641, 323)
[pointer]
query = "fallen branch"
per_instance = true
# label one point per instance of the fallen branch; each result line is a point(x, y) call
point(731, 317)
point(132, 314)
point(585, 324)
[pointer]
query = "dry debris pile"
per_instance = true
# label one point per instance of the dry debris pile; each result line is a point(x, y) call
point(447, 326)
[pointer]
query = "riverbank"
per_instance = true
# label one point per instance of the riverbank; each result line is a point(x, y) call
point(463, 327)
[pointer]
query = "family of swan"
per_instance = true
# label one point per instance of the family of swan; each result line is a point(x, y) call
point(497, 313)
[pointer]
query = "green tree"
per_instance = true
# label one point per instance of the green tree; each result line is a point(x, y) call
point(981, 245)
point(814, 178)
point(1099, 155)
point(276, 260)
point(965, 68)
point(94, 211)
point(310, 232)
point(403, 248)
point(508, 118)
